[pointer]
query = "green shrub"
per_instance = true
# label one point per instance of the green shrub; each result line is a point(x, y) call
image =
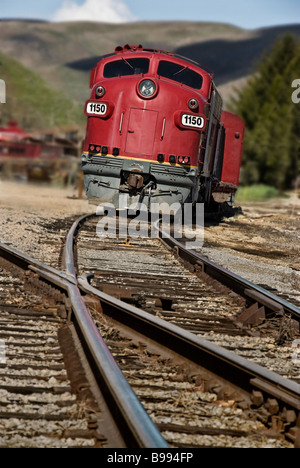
point(259, 192)
point(272, 138)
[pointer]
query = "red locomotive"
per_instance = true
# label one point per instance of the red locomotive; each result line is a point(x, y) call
point(156, 133)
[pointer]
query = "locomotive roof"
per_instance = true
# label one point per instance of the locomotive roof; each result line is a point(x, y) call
point(139, 48)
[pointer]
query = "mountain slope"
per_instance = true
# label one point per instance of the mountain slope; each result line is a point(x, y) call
point(64, 53)
point(235, 58)
point(31, 101)
point(52, 48)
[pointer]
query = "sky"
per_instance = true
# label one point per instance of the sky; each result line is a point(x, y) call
point(247, 14)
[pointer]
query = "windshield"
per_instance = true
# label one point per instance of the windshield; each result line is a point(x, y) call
point(180, 74)
point(135, 66)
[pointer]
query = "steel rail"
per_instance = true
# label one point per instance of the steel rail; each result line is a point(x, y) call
point(243, 373)
point(68, 257)
point(236, 283)
point(137, 428)
point(26, 262)
point(228, 365)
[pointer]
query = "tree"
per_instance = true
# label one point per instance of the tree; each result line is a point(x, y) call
point(272, 119)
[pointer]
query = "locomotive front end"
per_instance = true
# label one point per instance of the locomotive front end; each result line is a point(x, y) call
point(146, 118)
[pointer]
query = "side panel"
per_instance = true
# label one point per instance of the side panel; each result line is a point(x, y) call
point(212, 134)
point(234, 135)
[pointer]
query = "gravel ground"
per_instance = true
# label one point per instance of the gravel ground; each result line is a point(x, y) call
point(35, 218)
point(262, 244)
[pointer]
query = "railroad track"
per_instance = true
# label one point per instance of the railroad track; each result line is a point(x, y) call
point(193, 293)
point(50, 393)
point(199, 300)
point(195, 392)
point(37, 404)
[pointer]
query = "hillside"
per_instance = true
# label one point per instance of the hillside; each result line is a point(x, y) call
point(56, 50)
point(234, 58)
point(63, 53)
point(31, 101)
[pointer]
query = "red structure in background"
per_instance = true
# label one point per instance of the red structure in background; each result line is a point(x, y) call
point(16, 143)
point(42, 155)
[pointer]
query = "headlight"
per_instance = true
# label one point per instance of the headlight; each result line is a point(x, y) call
point(100, 91)
point(147, 88)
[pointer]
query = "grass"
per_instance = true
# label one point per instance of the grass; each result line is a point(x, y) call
point(257, 192)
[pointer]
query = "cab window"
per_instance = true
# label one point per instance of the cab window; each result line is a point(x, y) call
point(130, 66)
point(180, 74)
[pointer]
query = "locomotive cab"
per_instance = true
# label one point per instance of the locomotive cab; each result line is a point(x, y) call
point(154, 131)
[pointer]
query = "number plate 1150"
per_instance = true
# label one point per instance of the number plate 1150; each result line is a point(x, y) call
point(96, 108)
point(194, 121)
